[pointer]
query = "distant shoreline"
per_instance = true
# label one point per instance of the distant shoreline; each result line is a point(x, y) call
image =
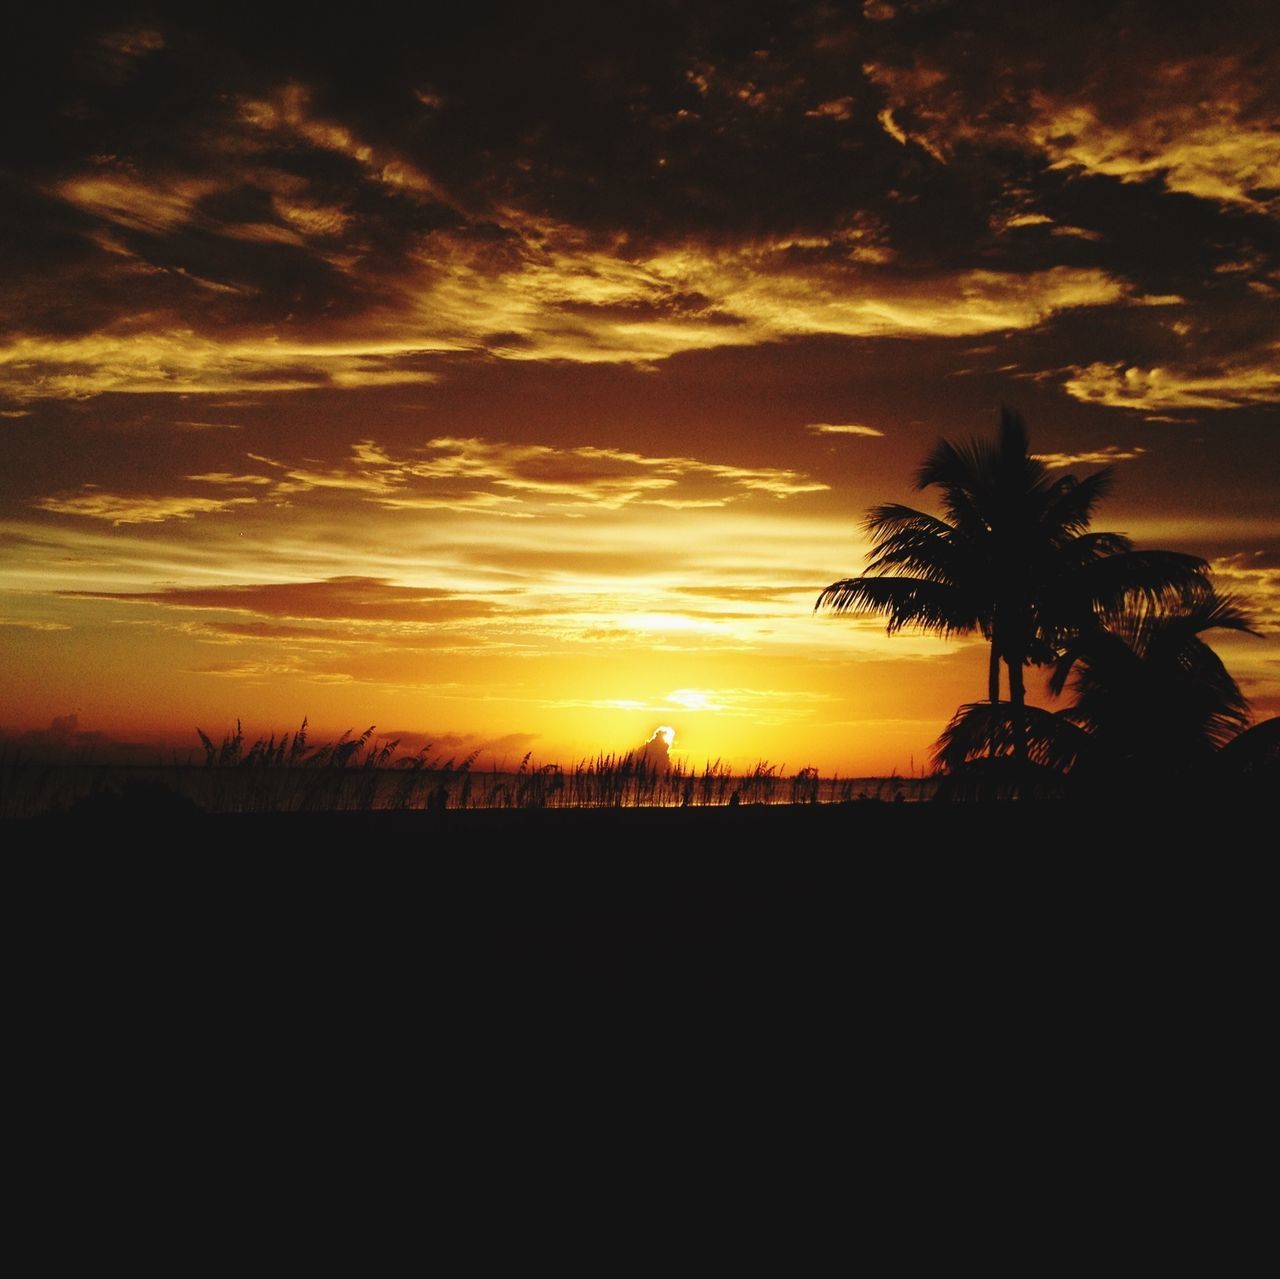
point(32, 789)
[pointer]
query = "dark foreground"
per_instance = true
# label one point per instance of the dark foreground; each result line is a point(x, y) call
point(880, 901)
point(890, 1000)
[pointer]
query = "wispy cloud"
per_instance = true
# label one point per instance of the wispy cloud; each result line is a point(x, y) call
point(504, 479)
point(151, 204)
point(120, 508)
point(761, 705)
point(552, 295)
point(226, 477)
point(837, 428)
point(351, 599)
point(1090, 457)
point(24, 624)
point(184, 362)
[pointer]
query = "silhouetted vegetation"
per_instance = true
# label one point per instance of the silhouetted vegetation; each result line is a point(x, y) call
point(1013, 560)
point(287, 773)
point(1154, 708)
point(1155, 711)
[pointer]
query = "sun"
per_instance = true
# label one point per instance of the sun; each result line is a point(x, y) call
point(667, 733)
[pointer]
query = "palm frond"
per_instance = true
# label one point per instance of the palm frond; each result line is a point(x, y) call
point(1083, 549)
point(884, 521)
point(1071, 502)
point(1102, 649)
point(966, 475)
point(1255, 751)
point(1141, 581)
point(924, 554)
point(906, 601)
point(1215, 612)
point(988, 730)
point(1149, 688)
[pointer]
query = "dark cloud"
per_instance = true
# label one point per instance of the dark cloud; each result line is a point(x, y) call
point(627, 183)
point(357, 599)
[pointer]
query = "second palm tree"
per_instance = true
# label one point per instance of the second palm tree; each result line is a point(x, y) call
point(1013, 559)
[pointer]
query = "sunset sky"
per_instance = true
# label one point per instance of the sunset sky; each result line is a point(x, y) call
point(513, 377)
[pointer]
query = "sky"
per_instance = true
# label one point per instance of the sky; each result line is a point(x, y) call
point(512, 377)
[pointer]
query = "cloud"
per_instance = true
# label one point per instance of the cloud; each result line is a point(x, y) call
point(352, 599)
point(64, 741)
point(243, 193)
point(269, 670)
point(1233, 383)
point(296, 228)
point(1255, 578)
point(835, 109)
point(182, 361)
point(575, 303)
point(552, 295)
point(241, 631)
point(920, 94)
point(153, 204)
point(1093, 457)
point(120, 508)
point(27, 625)
point(761, 705)
point(656, 752)
point(134, 42)
point(290, 111)
point(1204, 126)
point(890, 126)
point(1140, 97)
point(834, 428)
point(605, 476)
point(225, 477)
point(491, 477)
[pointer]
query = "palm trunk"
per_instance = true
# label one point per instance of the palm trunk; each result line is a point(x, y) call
point(993, 674)
point(1018, 706)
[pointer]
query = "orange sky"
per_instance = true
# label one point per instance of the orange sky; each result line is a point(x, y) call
point(517, 387)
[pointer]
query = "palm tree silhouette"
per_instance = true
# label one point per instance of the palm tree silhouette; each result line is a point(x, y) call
point(1013, 560)
point(1154, 709)
point(1151, 693)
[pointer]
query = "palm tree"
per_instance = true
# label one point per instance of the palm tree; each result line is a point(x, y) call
point(1153, 696)
point(1013, 559)
point(1154, 709)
